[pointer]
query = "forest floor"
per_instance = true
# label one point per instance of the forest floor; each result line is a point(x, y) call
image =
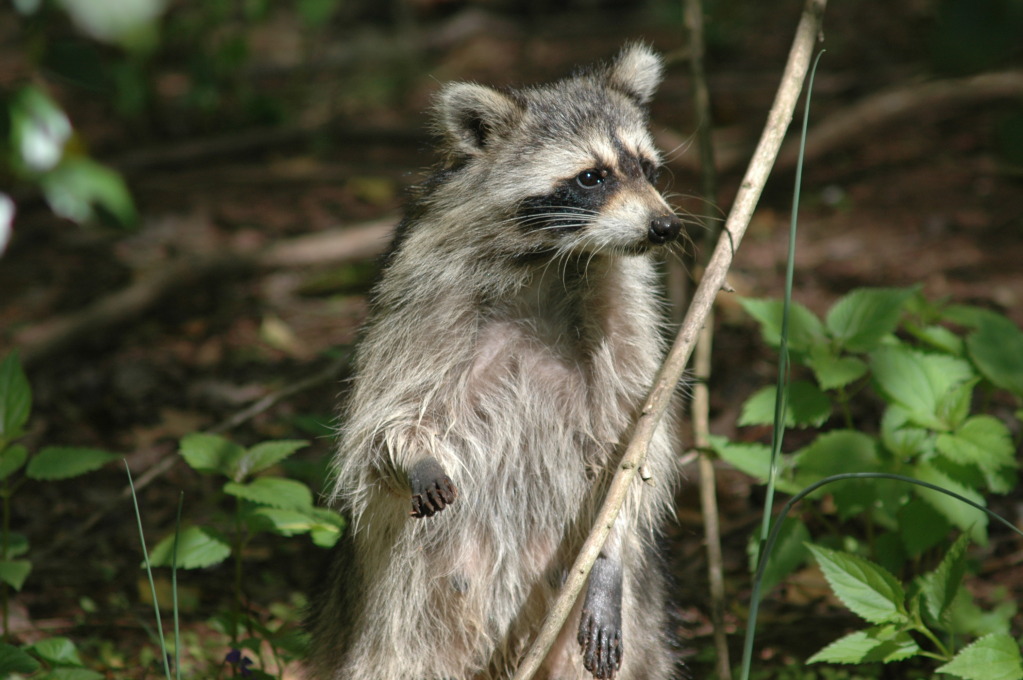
point(922, 198)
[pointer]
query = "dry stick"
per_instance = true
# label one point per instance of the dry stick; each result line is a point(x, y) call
point(693, 10)
point(344, 244)
point(742, 210)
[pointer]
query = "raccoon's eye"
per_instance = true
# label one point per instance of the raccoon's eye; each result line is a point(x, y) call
point(650, 170)
point(589, 179)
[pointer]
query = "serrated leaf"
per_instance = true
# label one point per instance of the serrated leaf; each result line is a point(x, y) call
point(755, 460)
point(983, 441)
point(11, 460)
point(15, 398)
point(65, 462)
point(210, 454)
point(806, 406)
point(276, 492)
point(992, 657)
point(918, 382)
point(878, 643)
point(292, 522)
point(862, 318)
point(804, 331)
point(14, 660)
point(57, 650)
point(868, 590)
point(939, 587)
point(788, 553)
point(265, 455)
point(14, 572)
point(967, 518)
point(996, 347)
point(198, 547)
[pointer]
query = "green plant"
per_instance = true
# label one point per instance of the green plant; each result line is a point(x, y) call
point(927, 372)
point(262, 503)
point(17, 466)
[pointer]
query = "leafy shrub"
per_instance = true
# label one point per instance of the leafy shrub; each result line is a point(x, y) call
point(922, 375)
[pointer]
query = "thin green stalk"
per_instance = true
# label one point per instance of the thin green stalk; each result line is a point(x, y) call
point(174, 589)
point(149, 573)
point(781, 394)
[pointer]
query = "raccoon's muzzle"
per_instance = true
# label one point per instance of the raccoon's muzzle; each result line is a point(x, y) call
point(664, 229)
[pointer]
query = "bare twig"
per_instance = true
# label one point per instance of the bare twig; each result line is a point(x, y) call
point(742, 210)
point(693, 10)
point(334, 246)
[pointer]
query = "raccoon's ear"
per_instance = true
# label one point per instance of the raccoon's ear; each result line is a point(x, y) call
point(636, 71)
point(470, 116)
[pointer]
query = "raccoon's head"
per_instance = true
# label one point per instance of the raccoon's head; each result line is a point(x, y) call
point(569, 166)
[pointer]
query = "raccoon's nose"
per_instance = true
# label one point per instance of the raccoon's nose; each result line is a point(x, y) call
point(664, 229)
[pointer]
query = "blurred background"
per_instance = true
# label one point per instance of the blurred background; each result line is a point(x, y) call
point(192, 196)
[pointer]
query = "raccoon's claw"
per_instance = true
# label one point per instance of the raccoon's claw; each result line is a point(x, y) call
point(602, 646)
point(432, 489)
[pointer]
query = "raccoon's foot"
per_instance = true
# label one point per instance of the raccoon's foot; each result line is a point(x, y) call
point(600, 626)
point(432, 489)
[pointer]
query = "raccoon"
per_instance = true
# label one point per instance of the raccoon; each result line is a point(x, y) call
point(512, 337)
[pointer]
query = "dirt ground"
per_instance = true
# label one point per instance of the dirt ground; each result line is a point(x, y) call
point(925, 197)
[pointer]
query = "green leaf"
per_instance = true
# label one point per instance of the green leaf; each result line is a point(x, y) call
point(788, 553)
point(15, 398)
point(806, 406)
point(877, 643)
point(76, 187)
point(833, 371)
point(941, 339)
point(14, 572)
point(921, 526)
point(983, 441)
point(904, 441)
point(57, 650)
point(805, 329)
point(265, 455)
point(954, 406)
point(918, 382)
point(960, 514)
point(865, 588)
point(292, 522)
point(64, 462)
point(198, 547)
point(992, 657)
point(14, 660)
point(836, 452)
point(276, 492)
point(996, 347)
point(211, 455)
point(39, 131)
point(863, 317)
point(939, 587)
point(11, 460)
point(964, 617)
point(752, 458)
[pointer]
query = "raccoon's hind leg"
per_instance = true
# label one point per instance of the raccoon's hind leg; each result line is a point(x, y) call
point(600, 625)
point(432, 489)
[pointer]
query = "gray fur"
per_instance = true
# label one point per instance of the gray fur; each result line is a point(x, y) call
point(503, 363)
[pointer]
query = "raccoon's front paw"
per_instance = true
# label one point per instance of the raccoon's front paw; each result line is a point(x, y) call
point(432, 489)
point(601, 641)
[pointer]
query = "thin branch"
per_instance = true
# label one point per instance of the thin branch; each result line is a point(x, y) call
point(334, 246)
point(693, 10)
point(664, 387)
